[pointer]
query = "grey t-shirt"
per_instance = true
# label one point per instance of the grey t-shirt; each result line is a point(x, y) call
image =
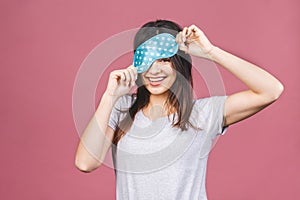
point(154, 160)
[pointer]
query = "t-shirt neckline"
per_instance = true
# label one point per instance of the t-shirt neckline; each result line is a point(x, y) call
point(159, 118)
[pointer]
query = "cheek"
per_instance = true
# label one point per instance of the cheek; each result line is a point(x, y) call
point(144, 80)
point(173, 78)
point(167, 69)
point(172, 73)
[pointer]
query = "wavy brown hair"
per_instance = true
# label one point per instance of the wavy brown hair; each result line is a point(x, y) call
point(180, 94)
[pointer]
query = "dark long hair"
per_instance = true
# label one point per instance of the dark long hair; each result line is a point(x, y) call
point(180, 95)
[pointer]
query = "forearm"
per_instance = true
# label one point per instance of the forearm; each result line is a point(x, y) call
point(257, 79)
point(90, 152)
point(104, 109)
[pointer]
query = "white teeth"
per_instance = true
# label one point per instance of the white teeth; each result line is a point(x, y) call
point(156, 79)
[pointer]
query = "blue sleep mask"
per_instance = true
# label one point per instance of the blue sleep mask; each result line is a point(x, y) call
point(159, 46)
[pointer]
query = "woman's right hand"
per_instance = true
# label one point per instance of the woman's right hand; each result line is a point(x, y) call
point(121, 81)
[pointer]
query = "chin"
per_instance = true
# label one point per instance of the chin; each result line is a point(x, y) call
point(157, 91)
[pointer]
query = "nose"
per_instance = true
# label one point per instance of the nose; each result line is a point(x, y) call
point(155, 68)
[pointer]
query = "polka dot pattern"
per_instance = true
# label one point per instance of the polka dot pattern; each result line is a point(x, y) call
point(160, 46)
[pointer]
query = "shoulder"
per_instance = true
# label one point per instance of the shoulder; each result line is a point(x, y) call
point(207, 105)
point(209, 111)
point(209, 101)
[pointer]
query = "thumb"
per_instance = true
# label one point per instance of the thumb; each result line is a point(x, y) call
point(183, 47)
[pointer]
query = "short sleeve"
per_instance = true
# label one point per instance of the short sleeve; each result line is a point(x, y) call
point(217, 107)
point(122, 104)
point(209, 114)
point(114, 115)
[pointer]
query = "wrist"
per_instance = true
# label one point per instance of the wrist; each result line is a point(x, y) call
point(112, 97)
point(211, 54)
point(107, 101)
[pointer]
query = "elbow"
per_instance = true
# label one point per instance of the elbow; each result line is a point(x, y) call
point(278, 91)
point(274, 95)
point(84, 167)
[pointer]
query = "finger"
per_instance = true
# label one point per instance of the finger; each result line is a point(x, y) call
point(183, 47)
point(189, 31)
point(195, 30)
point(132, 76)
point(127, 75)
point(194, 27)
point(183, 34)
point(114, 76)
point(184, 31)
point(134, 72)
point(134, 69)
point(119, 75)
point(179, 38)
point(130, 67)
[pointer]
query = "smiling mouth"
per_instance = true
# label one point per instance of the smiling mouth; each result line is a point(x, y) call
point(155, 79)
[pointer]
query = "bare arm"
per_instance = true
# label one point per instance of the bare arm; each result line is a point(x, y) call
point(264, 88)
point(97, 137)
point(93, 144)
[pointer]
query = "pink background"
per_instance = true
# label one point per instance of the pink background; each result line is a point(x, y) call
point(43, 44)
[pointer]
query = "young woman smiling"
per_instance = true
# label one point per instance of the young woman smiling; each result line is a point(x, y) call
point(156, 157)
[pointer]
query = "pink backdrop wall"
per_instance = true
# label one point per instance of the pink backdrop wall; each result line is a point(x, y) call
point(43, 44)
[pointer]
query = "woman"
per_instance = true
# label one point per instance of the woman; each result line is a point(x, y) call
point(162, 136)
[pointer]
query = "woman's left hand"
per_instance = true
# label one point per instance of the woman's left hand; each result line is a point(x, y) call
point(193, 41)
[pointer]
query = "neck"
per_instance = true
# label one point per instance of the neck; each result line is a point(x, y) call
point(157, 100)
point(156, 107)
